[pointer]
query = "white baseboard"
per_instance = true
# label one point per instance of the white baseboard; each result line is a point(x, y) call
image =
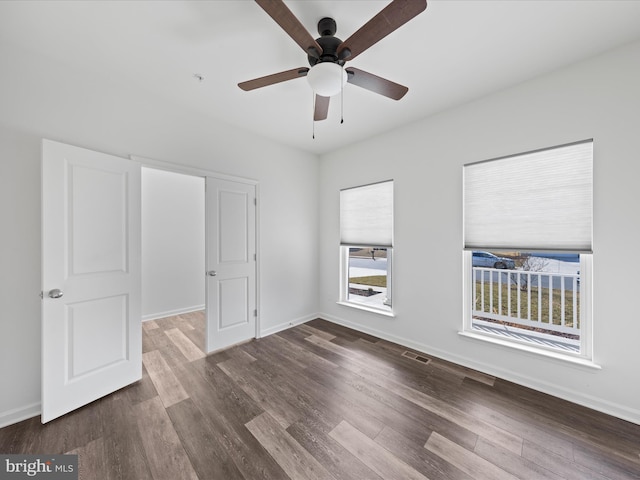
point(171, 313)
point(595, 403)
point(283, 326)
point(19, 414)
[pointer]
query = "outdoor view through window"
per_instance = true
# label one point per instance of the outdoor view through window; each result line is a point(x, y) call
point(531, 297)
point(368, 275)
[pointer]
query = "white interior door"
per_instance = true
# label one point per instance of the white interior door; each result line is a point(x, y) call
point(91, 325)
point(231, 262)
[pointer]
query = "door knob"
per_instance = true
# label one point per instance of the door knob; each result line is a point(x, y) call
point(212, 273)
point(55, 293)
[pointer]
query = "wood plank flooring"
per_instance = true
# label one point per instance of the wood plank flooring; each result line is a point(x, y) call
point(320, 401)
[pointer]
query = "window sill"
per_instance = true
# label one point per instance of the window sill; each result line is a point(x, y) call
point(578, 361)
point(367, 309)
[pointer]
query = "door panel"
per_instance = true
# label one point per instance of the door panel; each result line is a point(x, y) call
point(233, 296)
point(97, 247)
point(233, 242)
point(231, 263)
point(104, 318)
point(91, 334)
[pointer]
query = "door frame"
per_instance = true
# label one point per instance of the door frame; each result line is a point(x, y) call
point(200, 172)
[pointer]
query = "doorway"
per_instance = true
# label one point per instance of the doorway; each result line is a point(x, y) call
point(198, 226)
point(173, 244)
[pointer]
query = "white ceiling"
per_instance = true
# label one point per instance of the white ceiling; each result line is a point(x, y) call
point(452, 53)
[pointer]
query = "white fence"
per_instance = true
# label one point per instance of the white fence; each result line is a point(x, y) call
point(525, 292)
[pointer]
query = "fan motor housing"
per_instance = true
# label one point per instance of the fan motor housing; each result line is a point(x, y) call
point(329, 43)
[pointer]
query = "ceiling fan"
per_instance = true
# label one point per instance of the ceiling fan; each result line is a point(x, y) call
point(328, 54)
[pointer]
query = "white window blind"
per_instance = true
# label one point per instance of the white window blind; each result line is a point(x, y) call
point(366, 215)
point(539, 200)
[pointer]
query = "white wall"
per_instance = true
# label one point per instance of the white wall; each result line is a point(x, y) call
point(20, 274)
point(598, 99)
point(173, 261)
point(41, 98)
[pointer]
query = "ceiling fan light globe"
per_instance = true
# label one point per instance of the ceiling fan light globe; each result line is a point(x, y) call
point(327, 78)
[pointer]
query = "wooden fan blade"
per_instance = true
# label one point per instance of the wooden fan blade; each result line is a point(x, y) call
point(322, 108)
point(273, 78)
point(390, 18)
point(376, 84)
point(277, 10)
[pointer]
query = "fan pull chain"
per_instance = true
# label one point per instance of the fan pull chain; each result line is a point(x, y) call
point(313, 114)
point(341, 96)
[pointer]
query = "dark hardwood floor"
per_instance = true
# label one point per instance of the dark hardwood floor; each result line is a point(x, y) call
point(320, 401)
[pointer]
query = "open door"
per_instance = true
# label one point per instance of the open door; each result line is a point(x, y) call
point(91, 325)
point(231, 262)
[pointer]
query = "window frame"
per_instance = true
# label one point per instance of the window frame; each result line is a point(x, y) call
point(584, 357)
point(360, 228)
point(387, 308)
point(545, 229)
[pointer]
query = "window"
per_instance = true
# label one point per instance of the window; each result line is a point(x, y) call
point(528, 249)
point(366, 244)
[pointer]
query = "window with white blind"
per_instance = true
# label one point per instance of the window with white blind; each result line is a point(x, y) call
point(528, 249)
point(366, 245)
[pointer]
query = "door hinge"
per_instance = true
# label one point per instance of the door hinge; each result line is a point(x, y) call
point(42, 295)
point(255, 313)
point(255, 256)
point(255, 201)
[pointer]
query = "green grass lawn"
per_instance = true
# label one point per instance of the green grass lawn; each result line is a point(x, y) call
point(511, 290)
point(372, 281)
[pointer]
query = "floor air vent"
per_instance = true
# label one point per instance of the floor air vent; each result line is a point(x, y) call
point(416, 357)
